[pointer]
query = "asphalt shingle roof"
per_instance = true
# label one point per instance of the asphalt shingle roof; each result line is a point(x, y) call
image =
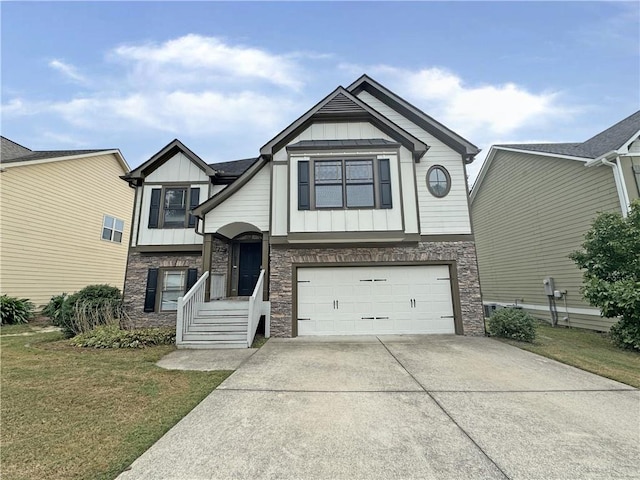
point(14, 152)
point(367, 142)
point(606, 141)
point(233, 168)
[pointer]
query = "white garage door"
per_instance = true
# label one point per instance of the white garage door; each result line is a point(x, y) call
point(374, 300)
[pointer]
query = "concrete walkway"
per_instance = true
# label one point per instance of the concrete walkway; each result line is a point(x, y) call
point(405, 407)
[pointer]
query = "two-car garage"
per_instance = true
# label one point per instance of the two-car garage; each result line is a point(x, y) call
point(374, 300)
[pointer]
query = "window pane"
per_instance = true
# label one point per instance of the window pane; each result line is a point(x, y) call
point(438, 182)
point(108, 222)
point(359, 195)
point(106, 234)
point(173, 280)
point(170, 300)
point(328, 172)
point(117, 237)
point(359, 171)
point(119, 225)
point(175, 198)
point(328, 196)
point(174, 216)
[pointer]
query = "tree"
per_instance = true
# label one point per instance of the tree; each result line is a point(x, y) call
point(611, 262)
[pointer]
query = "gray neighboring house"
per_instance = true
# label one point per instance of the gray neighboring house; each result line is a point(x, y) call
point(531, 206)
point(354, 219)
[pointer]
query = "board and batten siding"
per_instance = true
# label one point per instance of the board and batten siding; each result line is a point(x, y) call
point(343, 220)
point(448, 215)
point(176, 170)
point(51, 227)
point(250, 204)
point(529, 214)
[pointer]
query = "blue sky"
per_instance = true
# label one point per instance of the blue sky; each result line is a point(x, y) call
point(226, 77)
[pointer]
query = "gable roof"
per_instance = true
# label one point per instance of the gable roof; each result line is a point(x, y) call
point(604, 142)
point(14, 154)
point(589, 151)
point(417, 116)
point(342, 105)
point(171, 149)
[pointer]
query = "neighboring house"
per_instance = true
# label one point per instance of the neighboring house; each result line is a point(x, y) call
point(64, 221)
point(357, 213)
point(531, 207)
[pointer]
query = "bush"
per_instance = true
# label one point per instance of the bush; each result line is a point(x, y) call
point(111, 336)
point(15, 310)
point(625, 333)
point(92, 306)
point(514, 324)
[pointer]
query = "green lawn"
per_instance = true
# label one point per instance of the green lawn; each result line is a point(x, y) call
point(71, 413)
point(590, 351)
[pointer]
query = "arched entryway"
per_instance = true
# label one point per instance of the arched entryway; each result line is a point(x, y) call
point(246, 262)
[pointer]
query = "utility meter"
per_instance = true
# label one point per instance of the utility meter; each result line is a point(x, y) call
point(548, 286)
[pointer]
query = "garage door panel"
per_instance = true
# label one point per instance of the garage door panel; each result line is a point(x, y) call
point(374, 300)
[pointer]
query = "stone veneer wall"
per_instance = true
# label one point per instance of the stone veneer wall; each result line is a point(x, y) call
point(135, 284)
point(463, 253)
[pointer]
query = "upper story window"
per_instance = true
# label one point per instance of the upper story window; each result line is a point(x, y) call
point(348, 183)
point(170, 207)
point(438, 181)
point(112, 229)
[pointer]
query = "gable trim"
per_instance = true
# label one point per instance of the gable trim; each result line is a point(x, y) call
point(415, 145)
point(164, 155)
point(492, 154)
point(205, 207)
point(447, 136)
point(116, 153)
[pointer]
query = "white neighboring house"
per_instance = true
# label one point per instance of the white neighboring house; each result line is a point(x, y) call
point(352, 220)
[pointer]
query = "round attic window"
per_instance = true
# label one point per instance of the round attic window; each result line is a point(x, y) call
point(438, 181)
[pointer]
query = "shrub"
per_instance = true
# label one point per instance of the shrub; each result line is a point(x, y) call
point(625, 333)
point(512, 323)
point(92, 306)
point(15, 310)
point(58, 310)
point(111, 336)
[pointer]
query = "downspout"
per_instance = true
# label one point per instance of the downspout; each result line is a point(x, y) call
point(620, 185)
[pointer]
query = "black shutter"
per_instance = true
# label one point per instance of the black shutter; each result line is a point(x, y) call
point(192, 278)
point(384, 180)
point(154, 211)
point(303, 186)
point(194, 201)
point(150, 295)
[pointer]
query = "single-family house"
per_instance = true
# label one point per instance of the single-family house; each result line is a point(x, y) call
point(64, 220)
point(531, 206)
point(354, 219)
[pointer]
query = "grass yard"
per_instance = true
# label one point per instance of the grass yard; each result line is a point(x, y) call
point(590, 351)
point(71, 413)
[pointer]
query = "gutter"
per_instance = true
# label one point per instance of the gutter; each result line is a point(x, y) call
point(620, 185)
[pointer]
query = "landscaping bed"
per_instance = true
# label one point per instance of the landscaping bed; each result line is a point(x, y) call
point(70, 412)
point(587, 350)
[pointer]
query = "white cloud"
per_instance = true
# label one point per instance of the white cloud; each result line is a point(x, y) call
point(486, 110)
point(67, 70)
point(196, 58)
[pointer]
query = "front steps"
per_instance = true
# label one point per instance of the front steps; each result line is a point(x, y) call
point(218, 324)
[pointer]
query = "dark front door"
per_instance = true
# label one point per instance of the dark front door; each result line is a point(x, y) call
point(249, 267)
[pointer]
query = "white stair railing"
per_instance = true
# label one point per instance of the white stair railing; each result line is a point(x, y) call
point(256, 307)
point(188, 306)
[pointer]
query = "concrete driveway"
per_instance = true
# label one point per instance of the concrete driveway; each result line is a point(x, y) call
point(403, 407)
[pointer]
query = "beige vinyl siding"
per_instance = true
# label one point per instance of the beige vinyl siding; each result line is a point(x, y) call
point(51, 225)
point(448, 215)
point(631, 178)
point(250, 204)
point(529, 214)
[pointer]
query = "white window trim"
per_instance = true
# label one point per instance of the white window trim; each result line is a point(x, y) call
point(112, 228)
